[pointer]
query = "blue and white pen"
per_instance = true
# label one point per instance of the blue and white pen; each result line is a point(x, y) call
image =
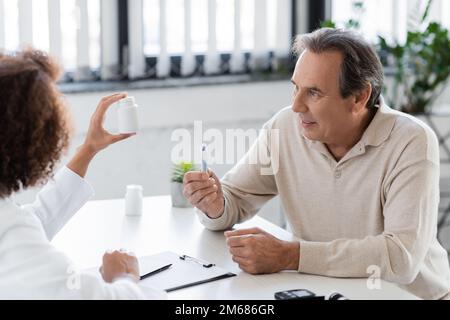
point(204, 164)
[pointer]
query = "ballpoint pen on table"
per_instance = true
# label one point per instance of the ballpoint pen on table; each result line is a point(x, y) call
point(155, 271)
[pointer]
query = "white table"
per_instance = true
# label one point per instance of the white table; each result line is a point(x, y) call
point(102, 225)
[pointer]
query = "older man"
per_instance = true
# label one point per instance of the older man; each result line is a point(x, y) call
point(358, 181)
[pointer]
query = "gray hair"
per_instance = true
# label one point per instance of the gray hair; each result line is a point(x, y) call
point(361, 65)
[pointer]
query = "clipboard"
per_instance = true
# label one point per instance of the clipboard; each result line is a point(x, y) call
point(185, 272)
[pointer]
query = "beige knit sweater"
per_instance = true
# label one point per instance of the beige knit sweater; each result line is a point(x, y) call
point(377, 206)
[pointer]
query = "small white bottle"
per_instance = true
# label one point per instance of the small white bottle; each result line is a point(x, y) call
point(133, 200)
point(128, 116)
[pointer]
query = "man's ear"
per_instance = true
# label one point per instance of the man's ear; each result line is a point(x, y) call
point(362, 98)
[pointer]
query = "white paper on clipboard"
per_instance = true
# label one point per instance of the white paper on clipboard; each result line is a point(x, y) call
point(182, 273)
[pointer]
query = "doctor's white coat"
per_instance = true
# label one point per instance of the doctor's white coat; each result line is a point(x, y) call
point(31, 268)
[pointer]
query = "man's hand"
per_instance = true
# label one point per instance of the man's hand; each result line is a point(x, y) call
point(258, 252)
point(97, 137)
point(204, 191)
point(119, 264)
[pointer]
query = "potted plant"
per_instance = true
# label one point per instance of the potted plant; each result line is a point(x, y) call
point(178, 172)
point(421, 65)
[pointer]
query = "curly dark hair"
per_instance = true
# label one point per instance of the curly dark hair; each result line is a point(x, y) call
point(34, 122)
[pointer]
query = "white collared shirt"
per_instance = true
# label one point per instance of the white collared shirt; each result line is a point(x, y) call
point(31, 268)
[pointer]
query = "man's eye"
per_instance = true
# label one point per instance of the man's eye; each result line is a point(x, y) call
point(313, 93)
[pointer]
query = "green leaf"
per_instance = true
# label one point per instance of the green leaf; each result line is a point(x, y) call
point(328, 24)
point(180, 169)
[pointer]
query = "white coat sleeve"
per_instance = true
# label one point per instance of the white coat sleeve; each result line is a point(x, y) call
point(32, 268)
point(59, 200)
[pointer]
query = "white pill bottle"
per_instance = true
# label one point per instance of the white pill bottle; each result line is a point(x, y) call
point(134, 200)
point(128, 116)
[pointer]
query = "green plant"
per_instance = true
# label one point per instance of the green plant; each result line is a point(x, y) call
point(180, 169)
point(421, 65)
point(352, 23)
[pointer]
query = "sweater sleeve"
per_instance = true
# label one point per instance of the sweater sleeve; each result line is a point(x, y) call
point(411, 193)
point(250, 184)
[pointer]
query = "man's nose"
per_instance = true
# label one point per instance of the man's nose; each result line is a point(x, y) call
point(298, 106)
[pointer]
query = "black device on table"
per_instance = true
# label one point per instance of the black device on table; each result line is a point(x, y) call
point(297, 294)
